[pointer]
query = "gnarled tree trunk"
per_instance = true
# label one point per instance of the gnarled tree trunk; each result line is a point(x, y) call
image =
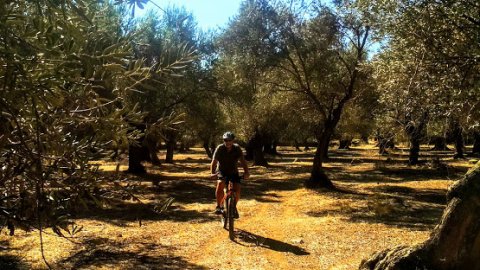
point(439, 143)
point(457, 134)
point(270, 147)
point(138, 151)
point(384, 143)
point(206, 146)
point(345, 143)
point(170, 150)
point(254, 150)
point(453, 244)
point(415, 132)
point(297, 146)
point(136, 154)
point(476, 143)
point(171, 142)
point(318, 178)
point(152, 145)
point(414, 150)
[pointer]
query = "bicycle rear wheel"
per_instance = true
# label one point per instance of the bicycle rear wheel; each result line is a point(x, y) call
point(230, 214)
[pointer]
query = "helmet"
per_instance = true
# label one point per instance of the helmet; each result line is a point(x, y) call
point(228, 135)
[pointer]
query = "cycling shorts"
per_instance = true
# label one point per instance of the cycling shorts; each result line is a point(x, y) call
point(234, 177)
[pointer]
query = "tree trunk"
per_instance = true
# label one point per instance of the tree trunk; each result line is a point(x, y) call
point(138, 151)
point(136, 154)
point(213, 147)
point(318, 178)
point(385, 142)
point(183, 147)
point(345, 144)
point(382, 143)
point(439, 143)
point(170, 149)
point(326, 136)
point(206, 146)
point(415, 132)
point(254, 150)
point(152, 148)
point(297, 146)
point(170, 144)
point(453, 244)
point(259, 158)
point(414, 150)
point(364, 138)
point(325, 143)
point(270, 148)
point(476, 143)
point(459, 145)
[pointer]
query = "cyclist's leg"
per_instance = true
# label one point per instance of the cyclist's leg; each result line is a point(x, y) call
point(237, 188)
point(219, 191)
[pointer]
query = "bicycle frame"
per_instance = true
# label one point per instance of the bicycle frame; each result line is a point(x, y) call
point(229, 202)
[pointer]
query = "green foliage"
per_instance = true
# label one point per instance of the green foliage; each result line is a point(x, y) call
point(67, 86)
point(430, 60)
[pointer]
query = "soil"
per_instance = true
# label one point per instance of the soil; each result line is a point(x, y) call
point(380, 203)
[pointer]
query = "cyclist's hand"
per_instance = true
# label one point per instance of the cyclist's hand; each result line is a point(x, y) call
point(246, 176)
point(213, 176)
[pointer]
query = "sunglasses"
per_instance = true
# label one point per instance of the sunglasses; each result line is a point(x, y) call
point(227, 140)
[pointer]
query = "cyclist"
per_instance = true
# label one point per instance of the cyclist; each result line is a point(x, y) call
point(224, 164)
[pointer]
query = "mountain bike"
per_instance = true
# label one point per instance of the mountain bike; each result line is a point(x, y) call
point(229, 206)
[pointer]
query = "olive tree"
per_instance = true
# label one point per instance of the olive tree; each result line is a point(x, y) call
point(321, 64)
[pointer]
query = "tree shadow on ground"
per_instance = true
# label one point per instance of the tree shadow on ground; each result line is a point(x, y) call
point(395, 174)
point(264, 190)
point(401, 207)
point(268, 243)
point(184, 191)
point(353, 160)
point(10, 262)
point(123, 214)
point(437, 196)
point(103, 252)
point(419, 218)
point(422, 172)
point(193, 160)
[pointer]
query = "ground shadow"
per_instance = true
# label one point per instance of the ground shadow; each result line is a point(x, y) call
point(98, 252)
point(268, 243)
point(417, 173)
point(279, 176)
point(10, 262)
point(184, 191)
point(437, 196)
point(125, 213)
point(401, 207)
point(394, 174)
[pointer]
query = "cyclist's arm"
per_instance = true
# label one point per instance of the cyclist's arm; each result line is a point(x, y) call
point(245, 167)
point(213, 166)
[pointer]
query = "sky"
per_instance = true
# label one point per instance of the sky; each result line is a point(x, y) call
point(208, 13)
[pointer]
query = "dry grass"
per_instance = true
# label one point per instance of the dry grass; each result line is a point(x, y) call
point(381, 203)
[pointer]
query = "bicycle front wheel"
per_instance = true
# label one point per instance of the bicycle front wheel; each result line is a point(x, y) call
point(231, 219)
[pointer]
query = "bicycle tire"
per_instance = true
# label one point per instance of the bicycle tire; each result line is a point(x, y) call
point(224, 217)
point(231, 219)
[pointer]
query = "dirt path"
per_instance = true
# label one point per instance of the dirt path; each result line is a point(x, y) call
point(282, 225)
